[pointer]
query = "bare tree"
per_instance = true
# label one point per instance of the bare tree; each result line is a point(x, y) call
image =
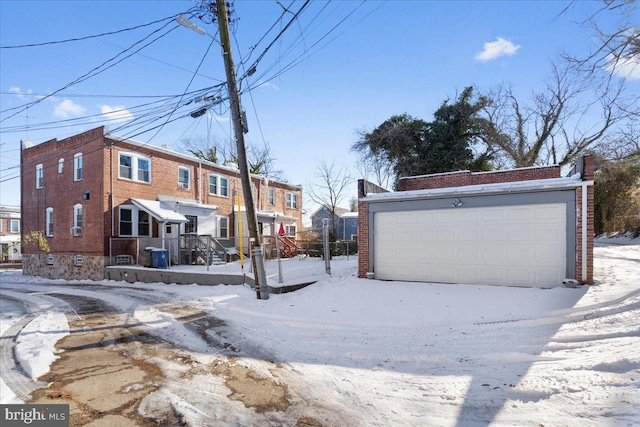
point(329, 187)
point(566, 118)
point(261, 160)
point(618, 47)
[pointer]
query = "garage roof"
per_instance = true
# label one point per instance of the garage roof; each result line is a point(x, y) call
point(507, 187)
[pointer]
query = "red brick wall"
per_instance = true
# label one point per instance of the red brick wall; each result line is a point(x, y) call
point(164, 181)
point(61, 193)
point(463, 178)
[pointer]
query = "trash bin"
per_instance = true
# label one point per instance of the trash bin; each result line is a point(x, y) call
point(148, 261)
point(160, 258)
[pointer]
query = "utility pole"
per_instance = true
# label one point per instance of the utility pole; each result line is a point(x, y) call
point(257, 256)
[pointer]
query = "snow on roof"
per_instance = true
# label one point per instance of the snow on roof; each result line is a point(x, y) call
point(503, 187)
point(160, 211)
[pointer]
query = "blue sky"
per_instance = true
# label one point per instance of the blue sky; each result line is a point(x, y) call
point(385, 58)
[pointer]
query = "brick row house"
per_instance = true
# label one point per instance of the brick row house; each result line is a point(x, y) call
point(10, 234)
point(98, 198)
point(521, 227)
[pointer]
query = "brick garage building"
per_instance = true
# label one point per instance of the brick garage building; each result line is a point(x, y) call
point(85, 191)
point(520, 227)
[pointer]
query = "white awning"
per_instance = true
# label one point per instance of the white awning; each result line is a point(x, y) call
point(160, 211)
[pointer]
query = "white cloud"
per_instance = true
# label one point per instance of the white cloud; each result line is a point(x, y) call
point(267, 85)
point(19, 92)
point(67, 109)
point(627, 68)
point(496, 49)
point(116, 113)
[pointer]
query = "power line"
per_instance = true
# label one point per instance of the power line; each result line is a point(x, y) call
point(97, 70)
point(170, 18)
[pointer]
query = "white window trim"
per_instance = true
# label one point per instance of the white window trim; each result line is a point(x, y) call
point(61, 165)
point(78, 207)
point(271, 196)
point(180, 184)
point(218, 219)
point(49, 224)
point(10, 226)
point(77, 158)
point(134, 222)
point(290, 200)
point(134, 166)
point(39, 176)
point(218, 186)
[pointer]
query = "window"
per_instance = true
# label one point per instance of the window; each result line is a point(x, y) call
point(60, 165)
point(14, 226)
point(49, 222)
point(272, 197)
point(192, 225)
point(144, 171)
point(77, 167)
point(134, 167)
point(183, 177)
point(39, 176)
point(223, 226)
point(144, 224)
point(126, 221)
point(77, 215)
point(292, 201)
point(133, 221)
point(219, 185)
point(290, 230)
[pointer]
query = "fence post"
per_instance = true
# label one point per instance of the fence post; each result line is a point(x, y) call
point(327, 249)
point(280, 279)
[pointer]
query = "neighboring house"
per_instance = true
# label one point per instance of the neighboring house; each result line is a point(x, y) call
point(520, 227)
point(10, 234)
point(345, 220)
point(95, 196)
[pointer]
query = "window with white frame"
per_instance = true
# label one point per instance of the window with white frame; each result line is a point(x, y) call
point(125, 225)
point(218, 185)
point(14, 226)
point(144, 223)
point(77, 167)
point(272, 197)
point(290, 230)
point(39, 176)
point(223, 226)
point(184, 177)
point(60, 165)
point(133, 221)
point(292, 201)
point(134, 167)
point(77, 216)
point(49, 222)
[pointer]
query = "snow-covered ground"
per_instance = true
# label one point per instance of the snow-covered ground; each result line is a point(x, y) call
point(393, 353)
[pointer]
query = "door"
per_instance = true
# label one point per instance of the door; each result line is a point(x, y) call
point(522, 245)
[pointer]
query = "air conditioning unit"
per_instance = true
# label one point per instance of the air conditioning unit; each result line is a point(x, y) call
point(183, 185)
point(76, 231)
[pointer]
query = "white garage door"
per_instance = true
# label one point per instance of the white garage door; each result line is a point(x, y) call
point(510, 245)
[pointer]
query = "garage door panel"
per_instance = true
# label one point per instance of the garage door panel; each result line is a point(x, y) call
point(516, 245)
